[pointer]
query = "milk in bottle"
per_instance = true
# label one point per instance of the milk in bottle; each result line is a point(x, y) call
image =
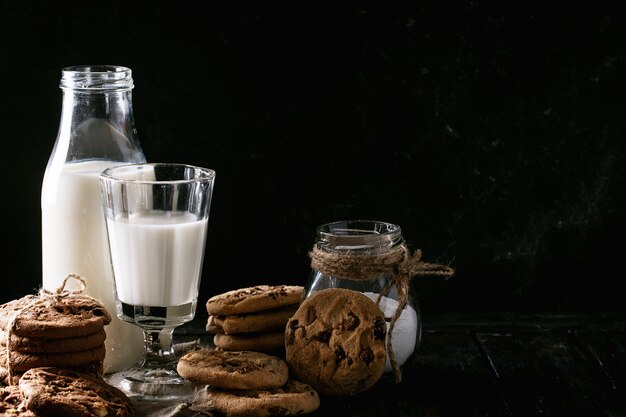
point(96, 131)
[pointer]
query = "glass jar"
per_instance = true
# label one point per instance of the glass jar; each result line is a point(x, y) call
point(366, 243)
point(96, 131)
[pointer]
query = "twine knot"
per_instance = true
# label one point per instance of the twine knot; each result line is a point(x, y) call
point(46, 298)
point(60, 293)
point(398, 264)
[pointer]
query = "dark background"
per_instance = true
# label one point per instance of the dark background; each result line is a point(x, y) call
point(492, 133)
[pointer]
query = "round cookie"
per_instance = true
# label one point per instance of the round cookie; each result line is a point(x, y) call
point(62, 392)
point(293, 398)
point(258, 342)
point(12, 402)
point(68, 317)
point(274, 319)
point(95, 369)
point(233, 369)
point(62, 345)
point(24, 361)
point(336, 342)
point(253, 299)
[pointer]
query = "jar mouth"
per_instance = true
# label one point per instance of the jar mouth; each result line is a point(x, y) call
point(358, 235)
point(97, 78)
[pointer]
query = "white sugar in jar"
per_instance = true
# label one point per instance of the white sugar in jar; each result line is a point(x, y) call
point(404, 338)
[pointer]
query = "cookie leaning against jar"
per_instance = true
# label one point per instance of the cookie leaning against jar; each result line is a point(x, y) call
point(335, 342)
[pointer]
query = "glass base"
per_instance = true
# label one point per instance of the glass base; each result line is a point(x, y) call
point(157, 384)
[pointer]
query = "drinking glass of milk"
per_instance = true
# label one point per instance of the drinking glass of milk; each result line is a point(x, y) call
point(156, 216)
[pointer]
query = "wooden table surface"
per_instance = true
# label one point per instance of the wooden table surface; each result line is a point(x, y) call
point(500, 365)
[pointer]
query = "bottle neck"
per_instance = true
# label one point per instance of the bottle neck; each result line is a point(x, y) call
point(97, 121)
point(115, 108)
point(98, 126)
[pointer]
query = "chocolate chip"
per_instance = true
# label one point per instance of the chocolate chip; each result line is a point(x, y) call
point(340, 354)
point(380, 329)
point(311, 316)
point(323, 336)
point(279, 291)
point(351, 322)
point(367, 356)
point(232, 363)
point(291, 331)
point(293, 324)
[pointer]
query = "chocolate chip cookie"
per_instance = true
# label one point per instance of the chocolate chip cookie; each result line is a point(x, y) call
point(61, 392)
point(59, 345)
point(262, 321)
point(293, 398)
point(233, 369)
point(95, 369)
point(253, 299)
point(24, 361)
point(336, 342)
point(268, 342)
point(67, 317)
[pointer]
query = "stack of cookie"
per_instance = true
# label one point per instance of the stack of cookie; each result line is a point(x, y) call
point(67, 333)
point(245, 383)
point(253, 318)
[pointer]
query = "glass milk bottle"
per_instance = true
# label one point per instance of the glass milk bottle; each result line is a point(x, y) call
point(97, 131)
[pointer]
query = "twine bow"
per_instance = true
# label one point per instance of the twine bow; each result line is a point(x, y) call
point(398, 264)
point(46, 298)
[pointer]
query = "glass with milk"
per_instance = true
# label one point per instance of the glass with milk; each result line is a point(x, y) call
point(96, 131)
point(156, 217)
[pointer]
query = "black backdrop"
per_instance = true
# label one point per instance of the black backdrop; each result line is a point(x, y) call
point(492, 133)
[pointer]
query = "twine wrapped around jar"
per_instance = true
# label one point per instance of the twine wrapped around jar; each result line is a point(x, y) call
point(398, 263)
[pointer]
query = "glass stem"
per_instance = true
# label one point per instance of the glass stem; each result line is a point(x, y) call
point(159, 348)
